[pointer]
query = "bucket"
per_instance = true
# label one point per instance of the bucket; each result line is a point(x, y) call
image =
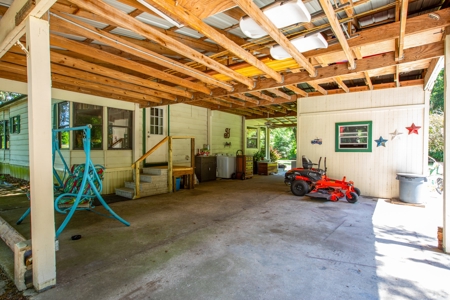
point(177, 183)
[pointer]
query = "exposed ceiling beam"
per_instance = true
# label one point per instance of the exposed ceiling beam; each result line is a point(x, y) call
point(233, 101)
point(413, 54)
point(296, 90)
point(123, 20)
point(10, 32)
point(401, 38)
point(262, 96)
point(281, 94)
point(397, 76)
point(317, 87)
point(432, 72)
point(245, 98)
point(341, 83)
point(262, 20)
point(368, 80)
point(197, 24)
point(114, 41)
point(336, 26)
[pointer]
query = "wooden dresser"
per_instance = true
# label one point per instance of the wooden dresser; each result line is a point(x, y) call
point(244, 166)
point(266, 168)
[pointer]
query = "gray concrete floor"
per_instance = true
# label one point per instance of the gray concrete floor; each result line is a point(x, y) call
point(250, 239)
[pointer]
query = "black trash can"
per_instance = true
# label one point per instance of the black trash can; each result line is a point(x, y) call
point(412, 187)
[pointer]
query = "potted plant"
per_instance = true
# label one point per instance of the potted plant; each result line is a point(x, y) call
point(257, 156)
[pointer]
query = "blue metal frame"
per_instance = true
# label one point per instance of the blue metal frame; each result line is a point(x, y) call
point(90, 177)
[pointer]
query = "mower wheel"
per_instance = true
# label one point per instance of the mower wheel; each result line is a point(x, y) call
point(353, 197)
point(357, 191)
point(299, 188)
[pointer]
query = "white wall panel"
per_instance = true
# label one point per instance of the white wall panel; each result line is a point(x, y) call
point(220, 121)
point(373, 172)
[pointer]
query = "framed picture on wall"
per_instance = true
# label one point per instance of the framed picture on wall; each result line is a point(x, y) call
point(353, 136)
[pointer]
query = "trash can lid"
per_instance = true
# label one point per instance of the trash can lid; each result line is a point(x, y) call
point(411, 175)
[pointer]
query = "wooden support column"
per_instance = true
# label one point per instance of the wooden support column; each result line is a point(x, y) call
point(446, 219)
point(40, 141)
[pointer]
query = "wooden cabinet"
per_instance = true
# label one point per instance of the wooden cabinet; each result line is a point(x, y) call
point(244, 166)
point(266, 168)
point(205, 168)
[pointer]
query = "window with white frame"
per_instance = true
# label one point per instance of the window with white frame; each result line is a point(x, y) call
point(119, 128)
point(4, 134)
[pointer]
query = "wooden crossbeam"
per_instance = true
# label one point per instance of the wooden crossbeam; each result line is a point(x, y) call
point(296, 90)
point(317, 87)
point(197, 24)
point(280, 94)
point(368, 80)
point(262, 20)
point(401, 38)
point(123, 20)
point(245, 98)
point(341, 83)
point(91, 32)
point(336, 26)
point(261, 96)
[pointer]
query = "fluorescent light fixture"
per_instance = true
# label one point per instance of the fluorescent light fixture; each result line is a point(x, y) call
point(160, 13)
point(303, 44)
point(281, 14)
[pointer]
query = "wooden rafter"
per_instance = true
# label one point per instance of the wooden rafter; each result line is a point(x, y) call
point(210, 32)
point(341, 83)
point(280, 94)
point(261, 96)
point(125, 21)
point(401, 38)
point(245, 98)
point(296, 90)
point(91, 32)
point(335, 25)
point(368, 80)
point(259, 17)
point(317, 87)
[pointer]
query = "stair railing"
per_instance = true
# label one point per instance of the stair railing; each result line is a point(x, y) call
point(136, 164)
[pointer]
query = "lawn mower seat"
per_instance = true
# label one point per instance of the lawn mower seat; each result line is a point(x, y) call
point(306, 162)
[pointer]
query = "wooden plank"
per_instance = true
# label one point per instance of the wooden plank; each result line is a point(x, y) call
point(9, 32)
point(341, 84)
point(317, 87)
point(149, 32)
point(245, 98)
point(91, 32)
point(125, 63)
point(205, 8)
point(197, 24)
point(414, 54)
point(401, 37)
point(262, 96)
point(336, 26)
point(368, 80)
point(281, 94)
point(434, 68)
point(262, 20)
point(296, 90)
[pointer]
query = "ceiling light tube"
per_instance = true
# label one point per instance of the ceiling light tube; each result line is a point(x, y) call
point(303, 44)
point(281, 14)
point(160, 13)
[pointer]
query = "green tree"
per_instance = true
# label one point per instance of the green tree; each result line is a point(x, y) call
point(436, 131)
point(284, 141)
point(437, 94)
point(8, 96)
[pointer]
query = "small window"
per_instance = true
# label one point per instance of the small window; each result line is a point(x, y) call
point(156, 121)
point(63, 122)
point(15, 124)
point(4, 134)
point(84, 114)
point(354, 137)
point(252, 138)
point(119, 128)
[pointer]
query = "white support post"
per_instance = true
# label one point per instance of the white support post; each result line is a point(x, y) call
point(40, 141)
point(446, 219)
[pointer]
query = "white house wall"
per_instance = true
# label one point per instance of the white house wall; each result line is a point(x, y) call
point(220, 121)
point(374, 173)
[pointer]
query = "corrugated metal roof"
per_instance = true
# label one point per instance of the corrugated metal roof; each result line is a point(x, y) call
point(221, 21)
point(87, 21)
point(126, 32)
point(189, 32)
point(154, 20)
point(70, 36)
point(119, 5)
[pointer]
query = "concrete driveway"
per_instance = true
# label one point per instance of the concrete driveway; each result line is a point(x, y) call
point(252, 239)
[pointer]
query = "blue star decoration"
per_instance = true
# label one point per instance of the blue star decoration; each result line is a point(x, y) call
point(381, 142)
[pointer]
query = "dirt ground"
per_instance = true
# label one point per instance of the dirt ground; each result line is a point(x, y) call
point(10, 185)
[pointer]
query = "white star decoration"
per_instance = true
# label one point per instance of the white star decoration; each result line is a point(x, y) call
point(395, 135)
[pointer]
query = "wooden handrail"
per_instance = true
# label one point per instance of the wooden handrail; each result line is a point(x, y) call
point(136, 168)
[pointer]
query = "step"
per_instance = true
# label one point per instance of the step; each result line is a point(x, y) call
point(154, 171)
point(125, 192)
point(143, 177)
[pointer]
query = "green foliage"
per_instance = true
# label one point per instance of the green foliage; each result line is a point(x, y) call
point(436, 136)
point(259, 155)
point(8, 96)
point(437, 94)
point(284, 140)
point(274, 155)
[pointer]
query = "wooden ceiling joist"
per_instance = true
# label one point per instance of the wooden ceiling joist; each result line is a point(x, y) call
point(106, 11)
point(317, 87)
point(262, 20)
point(262, 96)
point(336, 26)
point(296, 90)
point(197, 24)
point(91, 32)
point(400, 43)
point(282, 94)
point(341, 84)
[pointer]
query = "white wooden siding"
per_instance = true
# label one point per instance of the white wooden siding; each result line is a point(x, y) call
point(4, 154)
point(374, 173)
point(220, 121)
point(18, 142)
point(187, 120)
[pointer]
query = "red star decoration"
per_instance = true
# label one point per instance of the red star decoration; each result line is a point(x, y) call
point(413, 129)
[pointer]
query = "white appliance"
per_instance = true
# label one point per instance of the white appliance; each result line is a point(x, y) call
point(226, 166)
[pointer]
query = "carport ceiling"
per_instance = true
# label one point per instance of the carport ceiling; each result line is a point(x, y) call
point(122, 49)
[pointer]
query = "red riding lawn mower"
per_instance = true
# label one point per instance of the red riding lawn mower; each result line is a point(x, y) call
point(314, 182)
